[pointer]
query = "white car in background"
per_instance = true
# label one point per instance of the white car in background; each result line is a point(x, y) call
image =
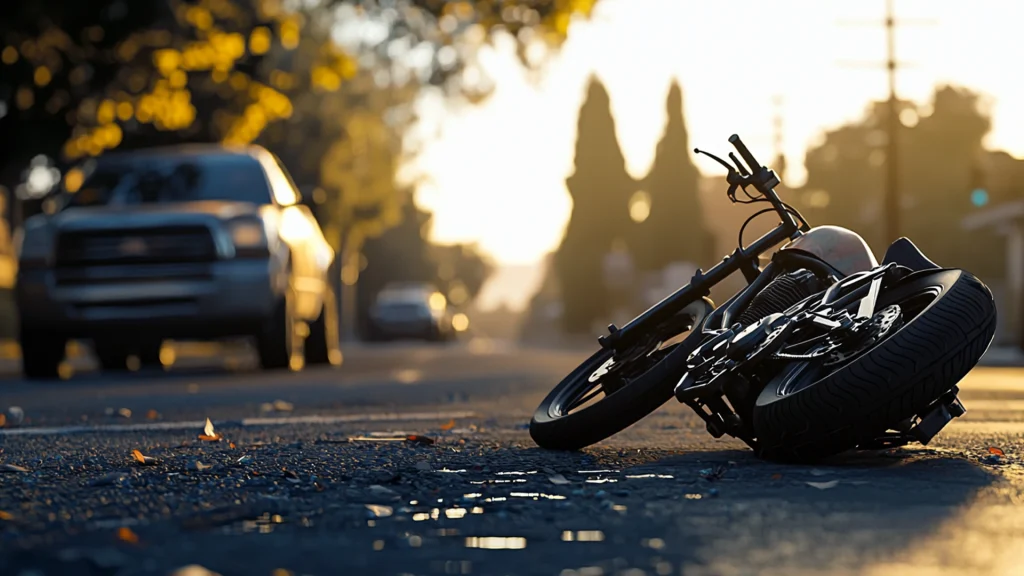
point(194, 242)
point(410, 310)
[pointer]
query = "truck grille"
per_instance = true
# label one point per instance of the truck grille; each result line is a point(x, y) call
point(139, 246)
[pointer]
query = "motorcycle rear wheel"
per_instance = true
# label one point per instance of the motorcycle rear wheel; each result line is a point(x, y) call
point(557, 424)
point(811, 411)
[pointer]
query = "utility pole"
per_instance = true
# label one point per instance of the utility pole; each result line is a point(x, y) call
point(892, 175)
point(892, 203)
point(779, 163)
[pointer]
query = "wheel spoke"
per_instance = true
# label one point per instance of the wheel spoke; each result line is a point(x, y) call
point(577, 402)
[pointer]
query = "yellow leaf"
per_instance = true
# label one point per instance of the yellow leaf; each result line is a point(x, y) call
point(448, 425)
point(210, 435)
point(6, 515)
point(125, 534)
point(996, 451)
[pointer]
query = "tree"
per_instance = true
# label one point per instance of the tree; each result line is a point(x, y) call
point(84, 76)
point(600, 188)
point(670, 226)
point(941, 161)
point(398, 255)
point(462, 271)
point(403, 254)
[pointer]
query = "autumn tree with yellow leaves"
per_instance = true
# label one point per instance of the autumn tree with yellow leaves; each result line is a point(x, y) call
point(327, 85)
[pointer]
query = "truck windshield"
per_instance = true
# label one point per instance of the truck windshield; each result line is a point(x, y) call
point(155, 180)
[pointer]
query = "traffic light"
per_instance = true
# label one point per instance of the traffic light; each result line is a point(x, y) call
point(979, 197)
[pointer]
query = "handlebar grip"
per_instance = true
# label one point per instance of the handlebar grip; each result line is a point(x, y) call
point(755, 167)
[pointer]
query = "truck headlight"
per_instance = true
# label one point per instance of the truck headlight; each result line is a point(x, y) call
point(249, 238)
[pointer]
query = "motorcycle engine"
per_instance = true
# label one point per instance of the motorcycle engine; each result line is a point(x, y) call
point(781, 293)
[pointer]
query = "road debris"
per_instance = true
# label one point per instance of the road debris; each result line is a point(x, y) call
point(126, 535)
point(379, 511)
point(209, 434)
point(143, 459)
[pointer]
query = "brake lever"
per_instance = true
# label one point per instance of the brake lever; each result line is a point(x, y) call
point(715, 158)
point(739, 166)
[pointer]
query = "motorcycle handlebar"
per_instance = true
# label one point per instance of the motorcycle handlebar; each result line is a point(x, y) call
point(755, 167)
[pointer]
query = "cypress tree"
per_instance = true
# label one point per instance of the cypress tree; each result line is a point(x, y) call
point(674, 230)
point(600, 188)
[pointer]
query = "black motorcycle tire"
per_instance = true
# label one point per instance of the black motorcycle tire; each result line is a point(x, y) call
point(890, 382)
point(615, 412)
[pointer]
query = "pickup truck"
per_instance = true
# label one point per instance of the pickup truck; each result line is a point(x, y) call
point(190, 242)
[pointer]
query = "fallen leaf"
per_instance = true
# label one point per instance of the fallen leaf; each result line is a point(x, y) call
point(143, 459)
point(6, 515)
point(124, 413)
point(996, 451)
point(16, 415)
point(12, 468)
point(152, 415)
point(282, 406)
point(558, 479)
point(3, 420)
point(824, 485)
point(210, 435)
point(419, 439)
point(380, 511)
point(200, 466)
point(125, 534)
point(193, 570)
point(776, 476)
point(448, 425)
point(231, 445)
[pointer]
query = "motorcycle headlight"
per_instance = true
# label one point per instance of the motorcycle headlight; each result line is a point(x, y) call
point(249, 238)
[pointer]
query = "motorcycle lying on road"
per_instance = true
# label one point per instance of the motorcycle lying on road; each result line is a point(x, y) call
point(824, 351)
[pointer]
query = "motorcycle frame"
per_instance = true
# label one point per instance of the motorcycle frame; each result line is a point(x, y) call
point(743, 259)
point(862, 287)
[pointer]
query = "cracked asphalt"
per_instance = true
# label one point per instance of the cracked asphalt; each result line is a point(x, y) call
point(415, 459)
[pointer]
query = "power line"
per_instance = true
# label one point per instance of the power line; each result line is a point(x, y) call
point(892, 192)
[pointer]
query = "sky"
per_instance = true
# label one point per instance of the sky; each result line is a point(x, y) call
point(488, 167)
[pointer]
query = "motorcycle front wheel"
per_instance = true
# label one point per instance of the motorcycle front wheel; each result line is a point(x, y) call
point(606, 394)
point(811, 410)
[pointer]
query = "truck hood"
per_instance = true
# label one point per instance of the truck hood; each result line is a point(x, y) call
point(206, 212)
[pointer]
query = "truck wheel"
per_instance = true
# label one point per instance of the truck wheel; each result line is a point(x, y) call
point(277, 342)
point(41, 354)
point(321, 346)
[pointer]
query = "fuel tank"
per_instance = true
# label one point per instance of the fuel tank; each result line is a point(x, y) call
point(844, 249)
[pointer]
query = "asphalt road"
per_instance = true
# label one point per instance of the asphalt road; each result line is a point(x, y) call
point(286, 490)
